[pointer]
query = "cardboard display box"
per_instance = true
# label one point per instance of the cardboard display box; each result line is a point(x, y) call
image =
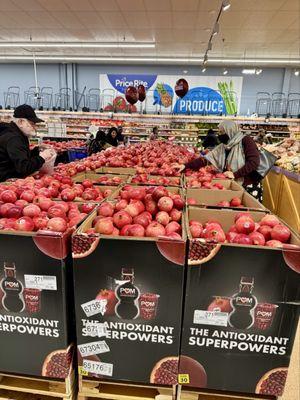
point(128, 304)
point(116, 170)
point(227, 183)
point(99, 178)
point(36, 304)
point(157, 180)
point(210, 198)
point(241, 312)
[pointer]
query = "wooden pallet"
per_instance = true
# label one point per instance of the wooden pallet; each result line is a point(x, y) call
point(18, 387)
point(113, 390)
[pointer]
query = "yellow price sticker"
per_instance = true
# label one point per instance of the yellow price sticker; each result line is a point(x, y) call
point(183, 379)
point(82, 372)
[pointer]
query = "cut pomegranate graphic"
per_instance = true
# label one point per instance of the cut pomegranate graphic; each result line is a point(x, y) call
point(291, 255)
point(54, 245)
point(201, 252)
point(57, 364)
point(196, 372)
point(172, 250)
point(165, 371)
point(272, 383)
point(83, 245)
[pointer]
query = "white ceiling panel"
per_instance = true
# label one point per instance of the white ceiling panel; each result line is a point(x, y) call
point(160, 20)
point(131, 5)
point(185, 5)
point(46, 19)
point(291, 5)
point(105, 5)
point(79, 5)
point(69, 20)
point(184, 20)
point(53, 5)
point(283, 19)
point(90, 19)
point(158, 5)
point(28, 5)
point(8, 5)
point(137, 19)
point(112, 20)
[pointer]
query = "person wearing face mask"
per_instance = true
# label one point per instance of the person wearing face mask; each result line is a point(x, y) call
point(237, 155)
point(16, 158)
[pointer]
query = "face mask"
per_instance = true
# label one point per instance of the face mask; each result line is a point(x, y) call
point(223, 138)
point(26, 128)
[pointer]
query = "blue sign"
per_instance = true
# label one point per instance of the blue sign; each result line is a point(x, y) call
point(121, 82)
point(201, 100)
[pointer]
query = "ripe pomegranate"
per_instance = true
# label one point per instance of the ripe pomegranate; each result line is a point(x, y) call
point(173, 226)
point(122, 218)
point(242, 214)
point(27, 195)
point(31, 211)
point(245, 225)
point(178, 203)
point(162, 217)
point(175, 215)
point(40, 222)
point(191, 201)
point(67, 195)
point(269, 220)
point(151, 206)
point(87, 207)
point(140, 206)
point(235, 202)
point(165, 203)
point(8, 196)
point(104, 226)
point(137, 193)
point(56, 211)
point(265, 230)
point(4, 208)
point(43, 202)
point(223, 203)
point(274, 243)
point(132, 209)
point(154, 229)
point(21, 203)
point(121, 204)
point(174, 235)
point(142, 219)
point(124, 230)
point(14, 212)
point(106, 210)
point(230, 236)
point(214, 233)
point(281, 233)
point(196, 230)
point(159, 192)
point(257, 238)
point(57, 224)
point(24, 224)
point(136, 230)
point(87, 183)
point(241, 238)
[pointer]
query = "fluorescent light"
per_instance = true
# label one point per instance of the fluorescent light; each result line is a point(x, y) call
point(120, 45)
point(225, 5)
point(248, 71)
point(216, 29)
point(225, 71)
point(203, 70)
point(297, 72)
point(185, 71)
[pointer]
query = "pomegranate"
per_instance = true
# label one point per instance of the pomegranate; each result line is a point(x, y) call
point(24, 224)
point(142, 219)
point(178, 203)
point(235, 202)
point(4, 208)
point(67, 195)
point(154, 229)
point(121, 204)
point(104, 226)
point(87, 183)
point(87, 207)
point(223, 203)
point(175, 215)
point(265, 230)
point(106, 210)
point(165, 203)
point(57, 224)
point(21, 203)
point(122, 218)
point(31, 211)
point(40, 222)
point(274, 243)
point(269, 220)
point(241, 238)
point(159, 192)
point(151, 206)
point(136, 230)
point(245, 225)
point(281, 233)
point(43, 202)
point(242, 214)
point(191, 201)
point(14, 212)
point(124, 230)
point(214, 233)
point(196, 230)
point(132, 209)
point(162, 217)
point(174, 235)
point(140, 206)
point(8, 196)
point(27, 195)
point(173, 226)
point(257, 238)
point(230, 236)
point(56, 211)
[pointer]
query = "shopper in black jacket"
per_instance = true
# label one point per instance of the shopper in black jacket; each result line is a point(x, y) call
point(16, 158)
point(210, 141)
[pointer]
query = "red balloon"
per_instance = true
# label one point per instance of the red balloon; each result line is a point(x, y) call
point(131, 95)
point(181, 87)
point(141, 92)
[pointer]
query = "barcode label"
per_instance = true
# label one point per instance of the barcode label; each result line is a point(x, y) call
point(94, 307)
point(99, 368)
point(216, 318)
point(89, 349)
point(42, 282)
point(95, 329)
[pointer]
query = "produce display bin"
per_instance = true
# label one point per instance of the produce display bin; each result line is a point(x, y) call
point(116, 170)
point(36, 304)
point(281, 194)
point(100, 178)
point(241, 312)
point(210, 198)
point(227, 184)
point(128, 304)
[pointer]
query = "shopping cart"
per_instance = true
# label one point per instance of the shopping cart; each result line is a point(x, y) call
point(77, 153)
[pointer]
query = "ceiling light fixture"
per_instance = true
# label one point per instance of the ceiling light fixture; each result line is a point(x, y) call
point(297, 72)
point(216, 29)
point(185, 71)
point(258, 71)
point(248, 71)
point(203, 70)
point(225, 71)
point(120, 45)
point(205, 59)
point(225, 5)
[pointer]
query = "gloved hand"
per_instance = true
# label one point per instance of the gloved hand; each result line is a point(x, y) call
point(47, 154)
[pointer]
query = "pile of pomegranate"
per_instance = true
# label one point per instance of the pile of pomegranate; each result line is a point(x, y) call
point(155, 158)
point(269, 231)
point(155, 180)
point(64, 145)
point(234, 202)
point(203, 178)
point(141, 211)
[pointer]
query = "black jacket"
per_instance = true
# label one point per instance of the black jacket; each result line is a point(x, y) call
point(16, 158)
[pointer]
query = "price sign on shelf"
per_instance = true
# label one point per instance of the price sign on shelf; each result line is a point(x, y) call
point(98, 368)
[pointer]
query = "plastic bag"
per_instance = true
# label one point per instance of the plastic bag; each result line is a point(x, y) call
point(48, 166)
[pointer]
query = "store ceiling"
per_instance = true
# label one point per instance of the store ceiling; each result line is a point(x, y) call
point(250, 29)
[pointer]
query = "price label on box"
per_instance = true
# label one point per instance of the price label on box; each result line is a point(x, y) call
point(217, 318)
point(94, 307)
point(183, 379)
point(95, 329)
point(42, 282)
point(89, 349)
point(98, 368)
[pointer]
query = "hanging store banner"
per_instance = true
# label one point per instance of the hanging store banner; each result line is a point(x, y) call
point(207, 95)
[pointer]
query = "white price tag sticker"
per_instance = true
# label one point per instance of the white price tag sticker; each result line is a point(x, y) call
point(95, 330)
point(99, 368)
point(89, 349)
point(94, 307)
point(216, 318)
point(42, 282)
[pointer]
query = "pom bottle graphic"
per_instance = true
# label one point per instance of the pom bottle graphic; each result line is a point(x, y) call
point(243, 304)
point(12, 288)
point(127, 294)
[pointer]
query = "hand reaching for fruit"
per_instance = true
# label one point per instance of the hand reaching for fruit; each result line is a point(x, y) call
point(229, 174)
point(179, 167)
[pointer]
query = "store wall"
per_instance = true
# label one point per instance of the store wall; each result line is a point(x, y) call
point(56, 75)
